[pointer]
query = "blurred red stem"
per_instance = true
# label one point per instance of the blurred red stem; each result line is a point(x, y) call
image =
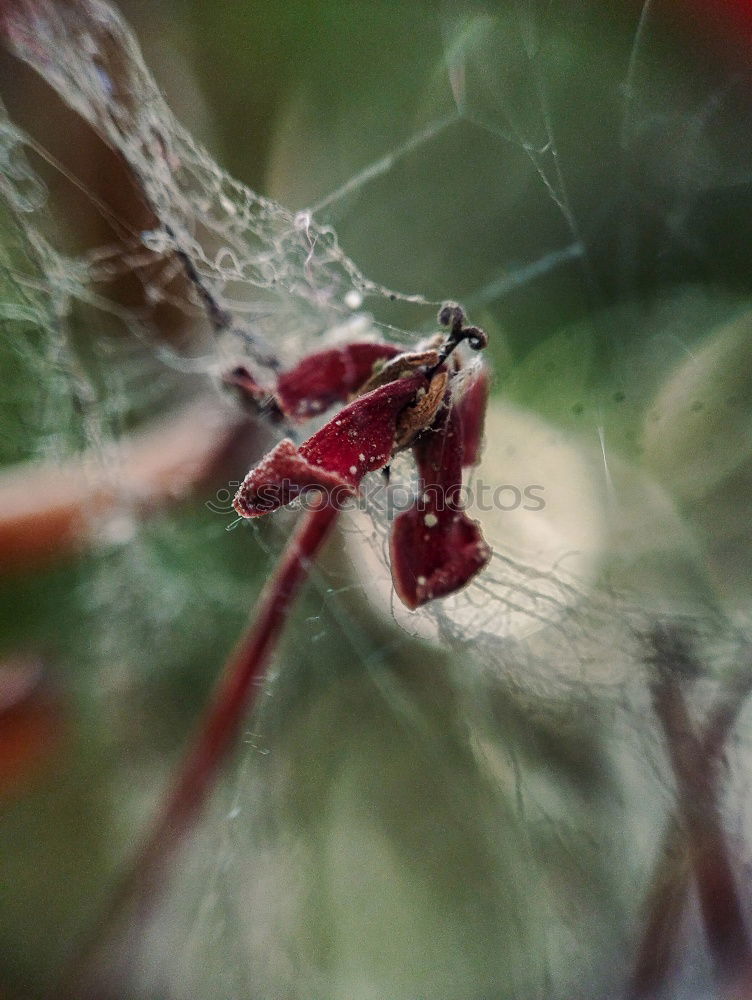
point(242, 678)
point(694, 843)
point(235, 694)
point(51, 510)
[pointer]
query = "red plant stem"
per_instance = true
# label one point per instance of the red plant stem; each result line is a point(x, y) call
point(240, 682)
point(667, 895)
point(707, 848)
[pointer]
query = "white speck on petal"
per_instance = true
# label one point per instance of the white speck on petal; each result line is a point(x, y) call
point(430, 520)
point(353, 469)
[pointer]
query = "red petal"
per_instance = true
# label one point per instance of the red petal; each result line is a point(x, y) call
point(471, 409)
point(361, 436)
point(279, 478)
point(358, 440)
point(430, 562)
point(329, 377)
point(435, 547)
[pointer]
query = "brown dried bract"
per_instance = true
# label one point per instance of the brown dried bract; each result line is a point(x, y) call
point(420, 415)
point(399, 367)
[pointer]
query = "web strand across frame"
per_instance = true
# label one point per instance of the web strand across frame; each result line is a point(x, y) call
point(229, 239)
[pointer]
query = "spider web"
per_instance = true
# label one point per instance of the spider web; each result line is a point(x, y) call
point(541, 662)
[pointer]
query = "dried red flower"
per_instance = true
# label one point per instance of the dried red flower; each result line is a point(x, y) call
point(358, 440)
point(435, 547)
